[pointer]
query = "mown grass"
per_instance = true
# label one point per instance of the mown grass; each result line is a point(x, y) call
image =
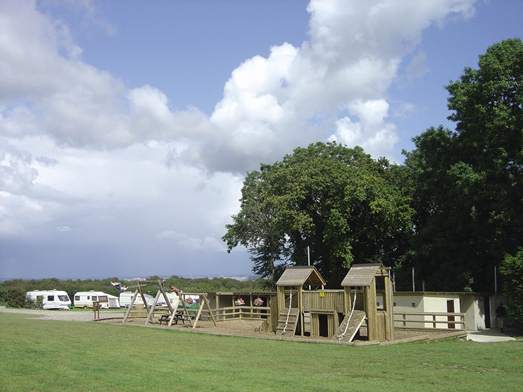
point(38, 355)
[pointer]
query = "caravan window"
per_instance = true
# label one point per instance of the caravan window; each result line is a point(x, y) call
point(50, 297)
point(88, 297)
point(77, 298)
point(102, 298)
point(95, 298)
point(63, 298)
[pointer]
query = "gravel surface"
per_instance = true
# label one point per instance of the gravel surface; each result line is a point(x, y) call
point(67, 315)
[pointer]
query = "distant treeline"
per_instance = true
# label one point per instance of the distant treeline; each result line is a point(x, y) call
point(12, 290)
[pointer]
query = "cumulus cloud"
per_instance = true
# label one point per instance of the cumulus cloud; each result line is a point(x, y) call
point(271, 104)
point(132, 176)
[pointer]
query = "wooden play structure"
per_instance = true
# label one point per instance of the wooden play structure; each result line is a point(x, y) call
point(363, 280)
point(172, 309)
point(290, 288)
point(305, 308)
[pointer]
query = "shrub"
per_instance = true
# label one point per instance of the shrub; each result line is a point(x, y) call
point(512, 272)
point(15, 298)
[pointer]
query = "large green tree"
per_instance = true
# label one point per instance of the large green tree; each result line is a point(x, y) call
point(512, 271)
point(468, 192)
point(344, 205)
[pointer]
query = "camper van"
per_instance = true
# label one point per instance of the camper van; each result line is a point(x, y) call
point(50, 299)
point(127, 296)
point(85, 299)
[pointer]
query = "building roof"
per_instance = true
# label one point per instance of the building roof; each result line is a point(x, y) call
point(361, 275)
point(298, 276)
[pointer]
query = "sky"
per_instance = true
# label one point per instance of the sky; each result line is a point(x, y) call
point(126, 128)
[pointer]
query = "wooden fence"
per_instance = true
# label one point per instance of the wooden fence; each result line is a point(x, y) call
point(244, 312)
point(435, 320)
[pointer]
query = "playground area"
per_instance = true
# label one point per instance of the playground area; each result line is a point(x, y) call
point(301, 309)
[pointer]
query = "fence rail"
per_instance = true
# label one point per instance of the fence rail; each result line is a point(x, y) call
point(431, 320)
point(239, 312)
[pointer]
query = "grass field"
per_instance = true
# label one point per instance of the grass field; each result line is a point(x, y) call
point(38, 355)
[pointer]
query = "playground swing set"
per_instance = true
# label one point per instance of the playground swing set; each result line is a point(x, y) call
point(168, 310)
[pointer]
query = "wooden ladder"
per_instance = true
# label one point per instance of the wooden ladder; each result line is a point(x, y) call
point(287, 322)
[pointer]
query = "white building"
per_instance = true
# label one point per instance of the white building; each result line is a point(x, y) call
point(85, 299)
point(425, 309)
point(50, 299)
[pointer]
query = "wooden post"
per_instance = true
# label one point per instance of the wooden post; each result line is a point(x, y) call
point(370, 305)
point(209, 308)
point(182, 300)
point(143, 297)
point(388, 307)
point(347, 300)
point(217, 306)
point(160, 285)
point(300, 307)
point(130, 307)
point(150, 314)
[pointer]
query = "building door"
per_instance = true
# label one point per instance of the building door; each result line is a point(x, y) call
point(324, 325)
point(486, 304)
point(450, 309)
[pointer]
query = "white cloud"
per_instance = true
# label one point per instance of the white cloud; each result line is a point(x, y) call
point(127, 171)
point(270, 104)
point(372, 131)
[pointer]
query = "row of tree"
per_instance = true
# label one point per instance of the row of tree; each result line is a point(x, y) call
point(12, 292)
point(453, 209)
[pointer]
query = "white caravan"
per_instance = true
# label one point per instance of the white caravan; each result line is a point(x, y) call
point(50, 299)
point(172, 297)
point(85, 299)
point(127, 296)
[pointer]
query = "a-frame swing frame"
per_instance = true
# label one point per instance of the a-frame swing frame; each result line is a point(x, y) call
point(172, 311)
point(138, 291)
point(203, 302)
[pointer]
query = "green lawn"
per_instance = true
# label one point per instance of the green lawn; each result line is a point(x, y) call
point(38, 355)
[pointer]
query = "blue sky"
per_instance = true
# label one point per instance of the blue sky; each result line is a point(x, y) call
point(126, 127)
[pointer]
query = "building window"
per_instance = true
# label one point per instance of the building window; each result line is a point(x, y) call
point(394, 304)
point(413, 304)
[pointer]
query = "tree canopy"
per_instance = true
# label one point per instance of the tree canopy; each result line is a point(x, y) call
point(339, 202)
point(468, 193)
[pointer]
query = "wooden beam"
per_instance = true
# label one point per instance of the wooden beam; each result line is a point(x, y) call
point(300, 311)
point(198, 314)
point(150, 314)
point(130, 307)
point(160, 285)
point(209, 308)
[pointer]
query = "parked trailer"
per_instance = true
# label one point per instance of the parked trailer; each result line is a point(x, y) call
point(127, 296)
point(85, 299)
point(50, 299)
